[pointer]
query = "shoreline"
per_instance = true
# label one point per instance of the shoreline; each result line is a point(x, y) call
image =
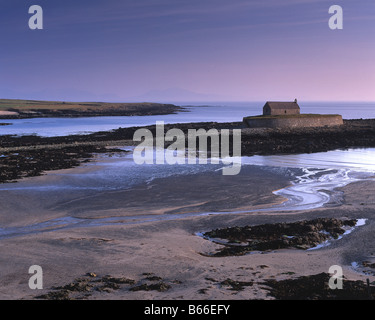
point(165, 259)
point(28, 155)
point(291, 189)
point(162, 259)
point(28, 109)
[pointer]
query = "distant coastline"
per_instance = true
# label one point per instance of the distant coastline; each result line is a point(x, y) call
point(21, 109)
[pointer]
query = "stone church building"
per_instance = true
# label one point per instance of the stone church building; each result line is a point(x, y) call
point(281, 108)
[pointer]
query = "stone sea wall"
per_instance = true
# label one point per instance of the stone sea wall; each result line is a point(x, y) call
point(301, 121)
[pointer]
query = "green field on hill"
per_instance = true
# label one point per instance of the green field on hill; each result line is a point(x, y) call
point(34, 108)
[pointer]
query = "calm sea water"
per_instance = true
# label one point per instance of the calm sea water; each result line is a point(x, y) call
point(314, 182)
point(313, 186)
point(197, 112)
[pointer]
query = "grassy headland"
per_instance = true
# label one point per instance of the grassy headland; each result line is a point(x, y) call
point(14, 109)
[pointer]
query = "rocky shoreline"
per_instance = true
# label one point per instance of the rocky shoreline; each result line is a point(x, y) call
point(353, 134)
point(315, 287)
point(303, 235)
point(29, 163)
point(31, 155)
point(183, 266)
point(87, 285)
point(312, 287)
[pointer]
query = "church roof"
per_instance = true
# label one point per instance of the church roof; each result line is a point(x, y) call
point(282, 105)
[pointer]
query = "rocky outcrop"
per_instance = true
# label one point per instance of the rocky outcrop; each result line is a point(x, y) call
point(31, 155)
point(301, 235)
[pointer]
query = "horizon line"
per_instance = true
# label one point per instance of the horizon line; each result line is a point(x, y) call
point(187, 101)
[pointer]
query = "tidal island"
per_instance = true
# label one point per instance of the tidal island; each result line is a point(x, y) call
point(288, 115)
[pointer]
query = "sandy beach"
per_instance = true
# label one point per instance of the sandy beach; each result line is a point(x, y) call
point(152, 258)
point(109, 113)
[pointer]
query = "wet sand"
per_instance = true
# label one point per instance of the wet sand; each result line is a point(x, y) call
point(166, 259)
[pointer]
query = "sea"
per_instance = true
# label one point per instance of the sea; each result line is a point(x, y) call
point(195, 112)
point(315, 178)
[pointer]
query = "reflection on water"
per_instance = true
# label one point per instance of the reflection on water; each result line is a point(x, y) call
point(320, 174)
point(120, 172)
point(51, 127)
point(359, 159)
point(197, 112)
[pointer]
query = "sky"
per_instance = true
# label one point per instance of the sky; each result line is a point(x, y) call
point(187, 50)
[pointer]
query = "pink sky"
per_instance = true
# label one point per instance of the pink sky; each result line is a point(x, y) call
point(213, 50)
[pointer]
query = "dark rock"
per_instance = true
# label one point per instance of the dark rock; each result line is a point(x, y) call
point(301, 235)
point(70, 151)
point(236, 285)
point(160, 286)
point(315, 287)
